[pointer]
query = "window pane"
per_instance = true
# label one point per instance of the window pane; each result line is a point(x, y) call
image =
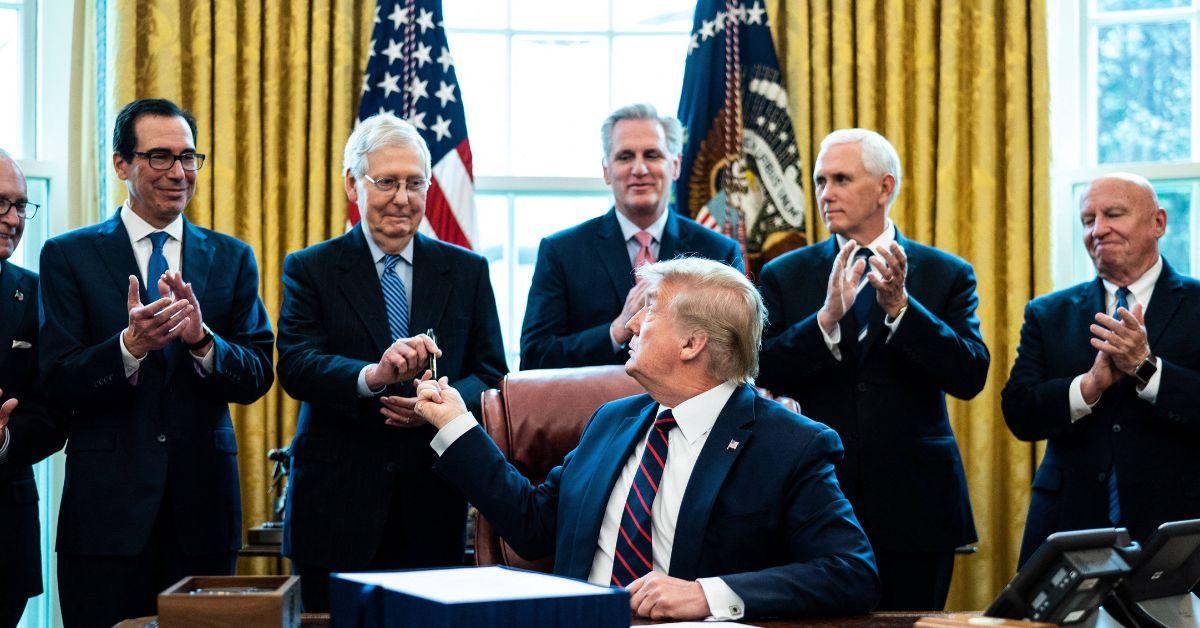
point(659, 16)
point(559, 99)
point(492, 14)
point(11, 104)
point(560, 15)
point(1133, 5)
point(30, 247)
point(481, 62)
point(661, 88)
point(1175, 245)
point(1144, 92)
point(494, 229)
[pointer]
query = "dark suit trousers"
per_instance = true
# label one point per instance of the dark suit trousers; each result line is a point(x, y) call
point(11, 609)
point(103, 590)
point(411, 540)
point(914, 581)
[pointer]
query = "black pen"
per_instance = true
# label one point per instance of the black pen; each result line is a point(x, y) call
point(432, 356)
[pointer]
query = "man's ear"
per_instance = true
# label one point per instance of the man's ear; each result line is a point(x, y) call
point(692, 345)
point(351, 188)
point(121, 166)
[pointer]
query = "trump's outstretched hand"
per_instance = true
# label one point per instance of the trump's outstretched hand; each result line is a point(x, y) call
point(438, 403)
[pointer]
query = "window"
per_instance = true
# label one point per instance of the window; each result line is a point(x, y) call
point(538, 77)
point(1124, 97)
point(17, 50)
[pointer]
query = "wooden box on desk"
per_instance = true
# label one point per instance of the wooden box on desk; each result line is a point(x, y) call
point(251, 601)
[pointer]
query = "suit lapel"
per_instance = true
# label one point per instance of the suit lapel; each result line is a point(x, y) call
point(11, 310)
point(610, 247)
point(614, 453)
point(430, 290)
point(712, 467)
point(674, 241)
point(1164, 303)
point(116, 253)
point(359, 283)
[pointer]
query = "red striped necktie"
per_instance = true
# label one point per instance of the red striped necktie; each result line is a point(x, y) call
point(634, 555)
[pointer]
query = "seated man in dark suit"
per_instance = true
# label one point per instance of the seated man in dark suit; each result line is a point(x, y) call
point(701, 497)
point(1108, 371)
point(870, 331)
point(583, 292)
point(27, 433)
point(362, 493)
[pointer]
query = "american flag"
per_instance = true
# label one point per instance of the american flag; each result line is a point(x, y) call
point(410, 73)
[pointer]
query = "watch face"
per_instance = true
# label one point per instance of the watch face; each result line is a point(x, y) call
point(1145, 371)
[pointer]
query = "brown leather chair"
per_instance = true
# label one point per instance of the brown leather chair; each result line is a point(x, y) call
point(536, 418)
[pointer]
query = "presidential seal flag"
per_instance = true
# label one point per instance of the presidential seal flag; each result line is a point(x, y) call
point(410, 73)
point(741, 171)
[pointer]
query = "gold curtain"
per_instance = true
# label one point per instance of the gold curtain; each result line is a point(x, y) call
point(961, 88)
point(274, 87)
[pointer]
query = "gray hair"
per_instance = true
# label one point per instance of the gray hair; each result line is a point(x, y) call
point(879, 157)
point(379, 131)
point(716, 299)
point(671, 127)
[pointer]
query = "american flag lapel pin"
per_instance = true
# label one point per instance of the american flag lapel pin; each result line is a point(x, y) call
point(18, 295)
point(733, 444)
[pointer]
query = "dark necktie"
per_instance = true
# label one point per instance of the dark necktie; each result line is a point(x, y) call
point(634, 555)
point(866, 296)
point(394, 298)
point(1114, 498)
point(158, 264)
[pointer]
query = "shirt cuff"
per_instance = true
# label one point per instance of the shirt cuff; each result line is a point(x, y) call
point(1079, 407)
point(5, 437)
point(1150, 392)
point(893, 323)
point(723, 603)
point(832, 340)
point(131, 363)
point(452, 431)
point(363, 389)
point(616, 346)
point(205, 364)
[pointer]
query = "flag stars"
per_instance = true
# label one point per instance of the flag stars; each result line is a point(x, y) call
point(366, 83)
point(425, 21)
point(693, 43)
point(418, 120)
point(377, 20)
point(706, 30)
point(754, 15)
point(393, 51)
point(445, 59)
point(760, 120)
point(417, 89)
point(445, 93)
point(390, 112)
point(371, 50)
point(399, 17)
point(390, 84)
point(422, 55)
point(441, 129)
point(783, 136)
point(719, 21)
point(772, 127)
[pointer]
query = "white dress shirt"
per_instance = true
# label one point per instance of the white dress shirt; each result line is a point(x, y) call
point(1140, 291)
point(139, 238)
point(884, 240)
point(695, 418)
point(403, 268)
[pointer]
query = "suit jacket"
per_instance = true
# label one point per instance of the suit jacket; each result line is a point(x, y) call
point(766, 516)
point(886, 398)
point(165, 434)
point(31, 428)
point(580, 282)
point(347, 465)
point(1152, 446)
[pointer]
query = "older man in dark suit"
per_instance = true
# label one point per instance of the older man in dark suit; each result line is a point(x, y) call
point(870, 331)
point(583, 292)
point(150, 327)
point(351, 339)
point(27, 433)
point(1108, 371)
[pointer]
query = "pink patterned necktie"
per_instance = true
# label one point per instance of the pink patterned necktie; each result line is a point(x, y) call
point(644, 254)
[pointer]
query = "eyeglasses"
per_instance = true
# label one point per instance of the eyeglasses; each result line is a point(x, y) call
point(388, 184)
point(25, 209)
point(162, 160)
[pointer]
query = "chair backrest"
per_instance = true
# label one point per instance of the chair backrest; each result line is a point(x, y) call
point(536, 418)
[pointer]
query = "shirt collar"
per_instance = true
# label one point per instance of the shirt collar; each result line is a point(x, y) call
point(377, 253)
point(697, 415)
point(138, 228)
point(1142, 287)
point(655, 229)
point(884, 239)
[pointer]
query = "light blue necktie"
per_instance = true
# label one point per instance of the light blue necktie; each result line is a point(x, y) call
point(1114, 499)
point(394, 298)
point(157, 265)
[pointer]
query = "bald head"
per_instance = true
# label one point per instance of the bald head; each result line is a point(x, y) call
point(1122, 222)
point(12, 190)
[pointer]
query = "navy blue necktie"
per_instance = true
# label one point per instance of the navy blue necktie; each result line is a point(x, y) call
point(394, 298)
point(158, 264)
point(634, 555)
point(1114, 498)
point(866, 296)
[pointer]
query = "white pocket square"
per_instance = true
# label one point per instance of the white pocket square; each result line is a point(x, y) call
point(21, 344)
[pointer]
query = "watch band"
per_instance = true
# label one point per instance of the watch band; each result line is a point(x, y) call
point(1145, 370)
point(199, 344)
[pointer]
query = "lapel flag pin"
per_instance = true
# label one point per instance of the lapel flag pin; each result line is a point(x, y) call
point(18, 295)
point(733, 444)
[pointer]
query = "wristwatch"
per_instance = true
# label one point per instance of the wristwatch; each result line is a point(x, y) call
point(199, 344)
point(1145, 371)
